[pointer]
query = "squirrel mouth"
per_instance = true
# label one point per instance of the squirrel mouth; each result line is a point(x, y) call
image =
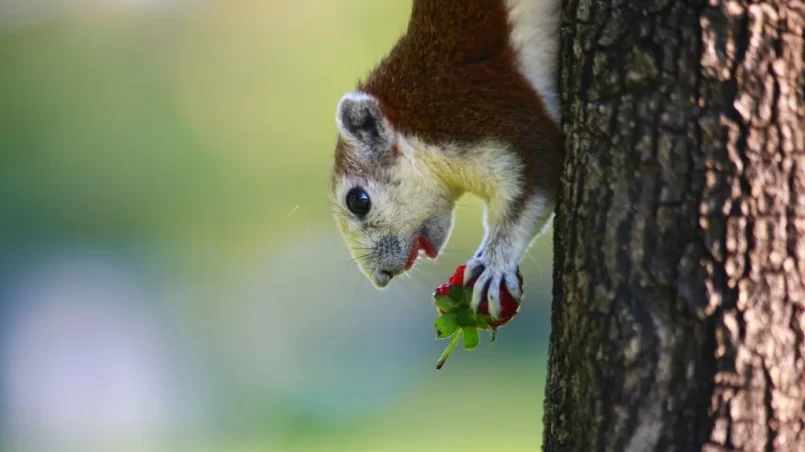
point(420, 244)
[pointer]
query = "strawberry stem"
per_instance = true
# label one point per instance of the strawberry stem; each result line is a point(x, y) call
point(449, 349)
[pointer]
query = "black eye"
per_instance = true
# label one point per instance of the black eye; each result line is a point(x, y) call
point(358, 202)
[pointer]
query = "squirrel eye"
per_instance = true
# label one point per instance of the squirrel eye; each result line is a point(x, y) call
point(358, 202)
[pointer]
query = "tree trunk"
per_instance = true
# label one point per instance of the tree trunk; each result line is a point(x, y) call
point(679, 305)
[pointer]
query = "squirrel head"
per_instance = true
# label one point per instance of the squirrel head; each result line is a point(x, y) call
point(388, 204)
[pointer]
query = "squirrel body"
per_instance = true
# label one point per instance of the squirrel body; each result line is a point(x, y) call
point(466, 101)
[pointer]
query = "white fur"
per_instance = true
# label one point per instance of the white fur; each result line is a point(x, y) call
point(534, 221)
point(500, 261)
point(548, 223)
point(398, 211)
point(535, 36)
point(431, 180)
point(487, 170)
point(490, 170)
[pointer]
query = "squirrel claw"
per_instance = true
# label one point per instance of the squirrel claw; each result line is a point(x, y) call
point(488, 285)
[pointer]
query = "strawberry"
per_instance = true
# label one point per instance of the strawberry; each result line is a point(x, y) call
point(451, 292)
point(508, 307)
point(446, 298)
point(443, 289)
point(456, 319)
point(458, 277)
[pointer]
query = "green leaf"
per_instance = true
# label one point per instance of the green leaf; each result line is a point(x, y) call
point(471, 338)
point(446, 325)
point(456, 293)
point(450, 347)
point(482, 323)
point(466, 299)
point(466, 318)
point(444, 303)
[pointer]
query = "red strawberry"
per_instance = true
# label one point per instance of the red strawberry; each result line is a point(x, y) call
point(508, 309)
point(508, 306)
point(458, 277)
point(459, 321)
point(442, 291)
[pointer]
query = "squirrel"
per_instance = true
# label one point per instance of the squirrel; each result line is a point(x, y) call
point(465, 102)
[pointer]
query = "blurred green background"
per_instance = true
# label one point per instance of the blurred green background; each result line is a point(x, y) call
point(171, 277)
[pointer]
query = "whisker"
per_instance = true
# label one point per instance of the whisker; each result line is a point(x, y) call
point(530, 256)
point(364, 248)
point(450, 250)
point(338, 207)
point(357, 286)
point(425, 280)
point(363, 257)
point(417, 274)
point(343, 274)
point(407, 287)
point(349, 260)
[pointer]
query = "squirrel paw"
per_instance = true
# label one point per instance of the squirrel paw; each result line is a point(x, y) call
point(491, 279)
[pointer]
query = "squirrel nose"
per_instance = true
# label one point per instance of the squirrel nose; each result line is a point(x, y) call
point(383, 277)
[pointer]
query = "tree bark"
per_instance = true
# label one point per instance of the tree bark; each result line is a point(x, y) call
point(679, 305)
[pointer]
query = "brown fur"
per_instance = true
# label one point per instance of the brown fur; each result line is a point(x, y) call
point(453, 78)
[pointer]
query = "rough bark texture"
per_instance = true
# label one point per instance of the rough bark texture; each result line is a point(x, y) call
point(679, 305)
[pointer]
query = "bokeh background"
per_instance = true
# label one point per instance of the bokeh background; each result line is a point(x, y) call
point(171, 278)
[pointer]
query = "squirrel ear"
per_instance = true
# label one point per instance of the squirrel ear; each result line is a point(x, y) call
point(359, 119)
